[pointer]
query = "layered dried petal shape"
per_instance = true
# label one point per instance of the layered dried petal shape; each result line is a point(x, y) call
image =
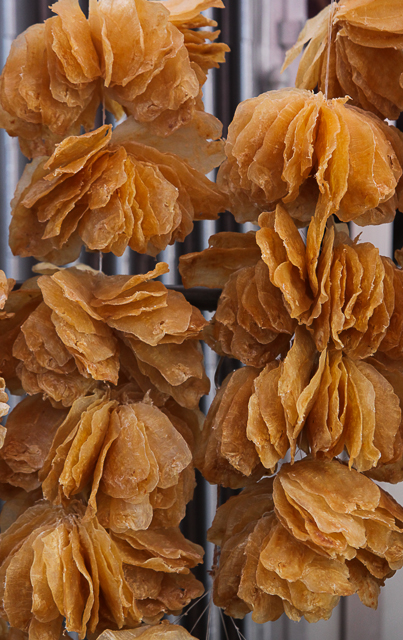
point(324, 403)
point(316, 156)
point(157, 565)
point(31, 427)
point(68, 568)
point(228, 251)
point(348, 298)
point(224, 455)
point(71, 567)
point(74, 339)
point(366, 55)
point(6, 286)
point(58, 73)
point(340, 514)
point(251, 322)
point(107, 197)
point(50, 85)
point(20, 304)
point(265, 569)
point(127, 455)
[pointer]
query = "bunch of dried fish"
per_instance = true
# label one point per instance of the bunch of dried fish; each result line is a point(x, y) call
point(347, 297)
point(267, 569)
point(252, 322)
point(126, 454)
point(325, 403)
point(340, 514)
point(71, 567)
point(58, 72)
point(360, 54)
point(108, 196)
point(70, 343)
point(316, 156)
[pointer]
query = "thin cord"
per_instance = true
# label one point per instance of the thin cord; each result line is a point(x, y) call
point(329, 44)
point(100, 260)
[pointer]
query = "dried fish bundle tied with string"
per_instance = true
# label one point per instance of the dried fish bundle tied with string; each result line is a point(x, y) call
point(316, 156)
point(251, 322)
point(321, 402)
point(65, 567)
point(340, 514)
point(70, 566)
point(348, 299)
point(263, 568)
point(157, 566)
point(224, 454)
point(156, 632)
point(50, 85)
point(355, 49)
point(88, 322)
point(204, 52)
point(58, 73)
point(127, 455)
point(109, 195)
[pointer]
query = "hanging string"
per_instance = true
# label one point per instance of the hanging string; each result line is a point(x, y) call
point(100, 260)
point(329, 44)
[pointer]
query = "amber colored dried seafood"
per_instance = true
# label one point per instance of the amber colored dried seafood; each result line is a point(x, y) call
point(251, 322)
point(107, 197)
point(127, 455)
point(156, 632)
point(341, 514)
point(365, 60)
point(17, 308)
point(324, 403)
point(71, 342)
point(69, 566)
point(50, 84)
point(316, 156)
point(31, 427)
point(347, 298)
point(265, 569)
point(228, 251)
point(225, 456)
point(6, 286)
point(157, 565)
point(58, 73)
point(200, 42)
point(8, 633)
point(65, 567)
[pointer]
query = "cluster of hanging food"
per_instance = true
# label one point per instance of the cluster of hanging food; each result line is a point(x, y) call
point(97, 461)
point(316, 318)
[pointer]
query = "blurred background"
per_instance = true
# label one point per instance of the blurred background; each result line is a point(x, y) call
point(259, 32)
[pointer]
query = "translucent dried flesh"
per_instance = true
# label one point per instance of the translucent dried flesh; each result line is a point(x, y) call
point(51, 550)
point(347, 295)
point(362, 38)
point(113, 451)
point(316, 156)
point(110, 194)
point(224, 455)
point(266, 569)
point(69, 344)
point(228, 251)
point(251, 322)
point(339, 524)
point(57, 73)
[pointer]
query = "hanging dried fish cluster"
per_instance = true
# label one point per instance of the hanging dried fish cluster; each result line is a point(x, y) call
point(97, 460)
point(134, 56)
point(365, 50)
point(316, 319)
